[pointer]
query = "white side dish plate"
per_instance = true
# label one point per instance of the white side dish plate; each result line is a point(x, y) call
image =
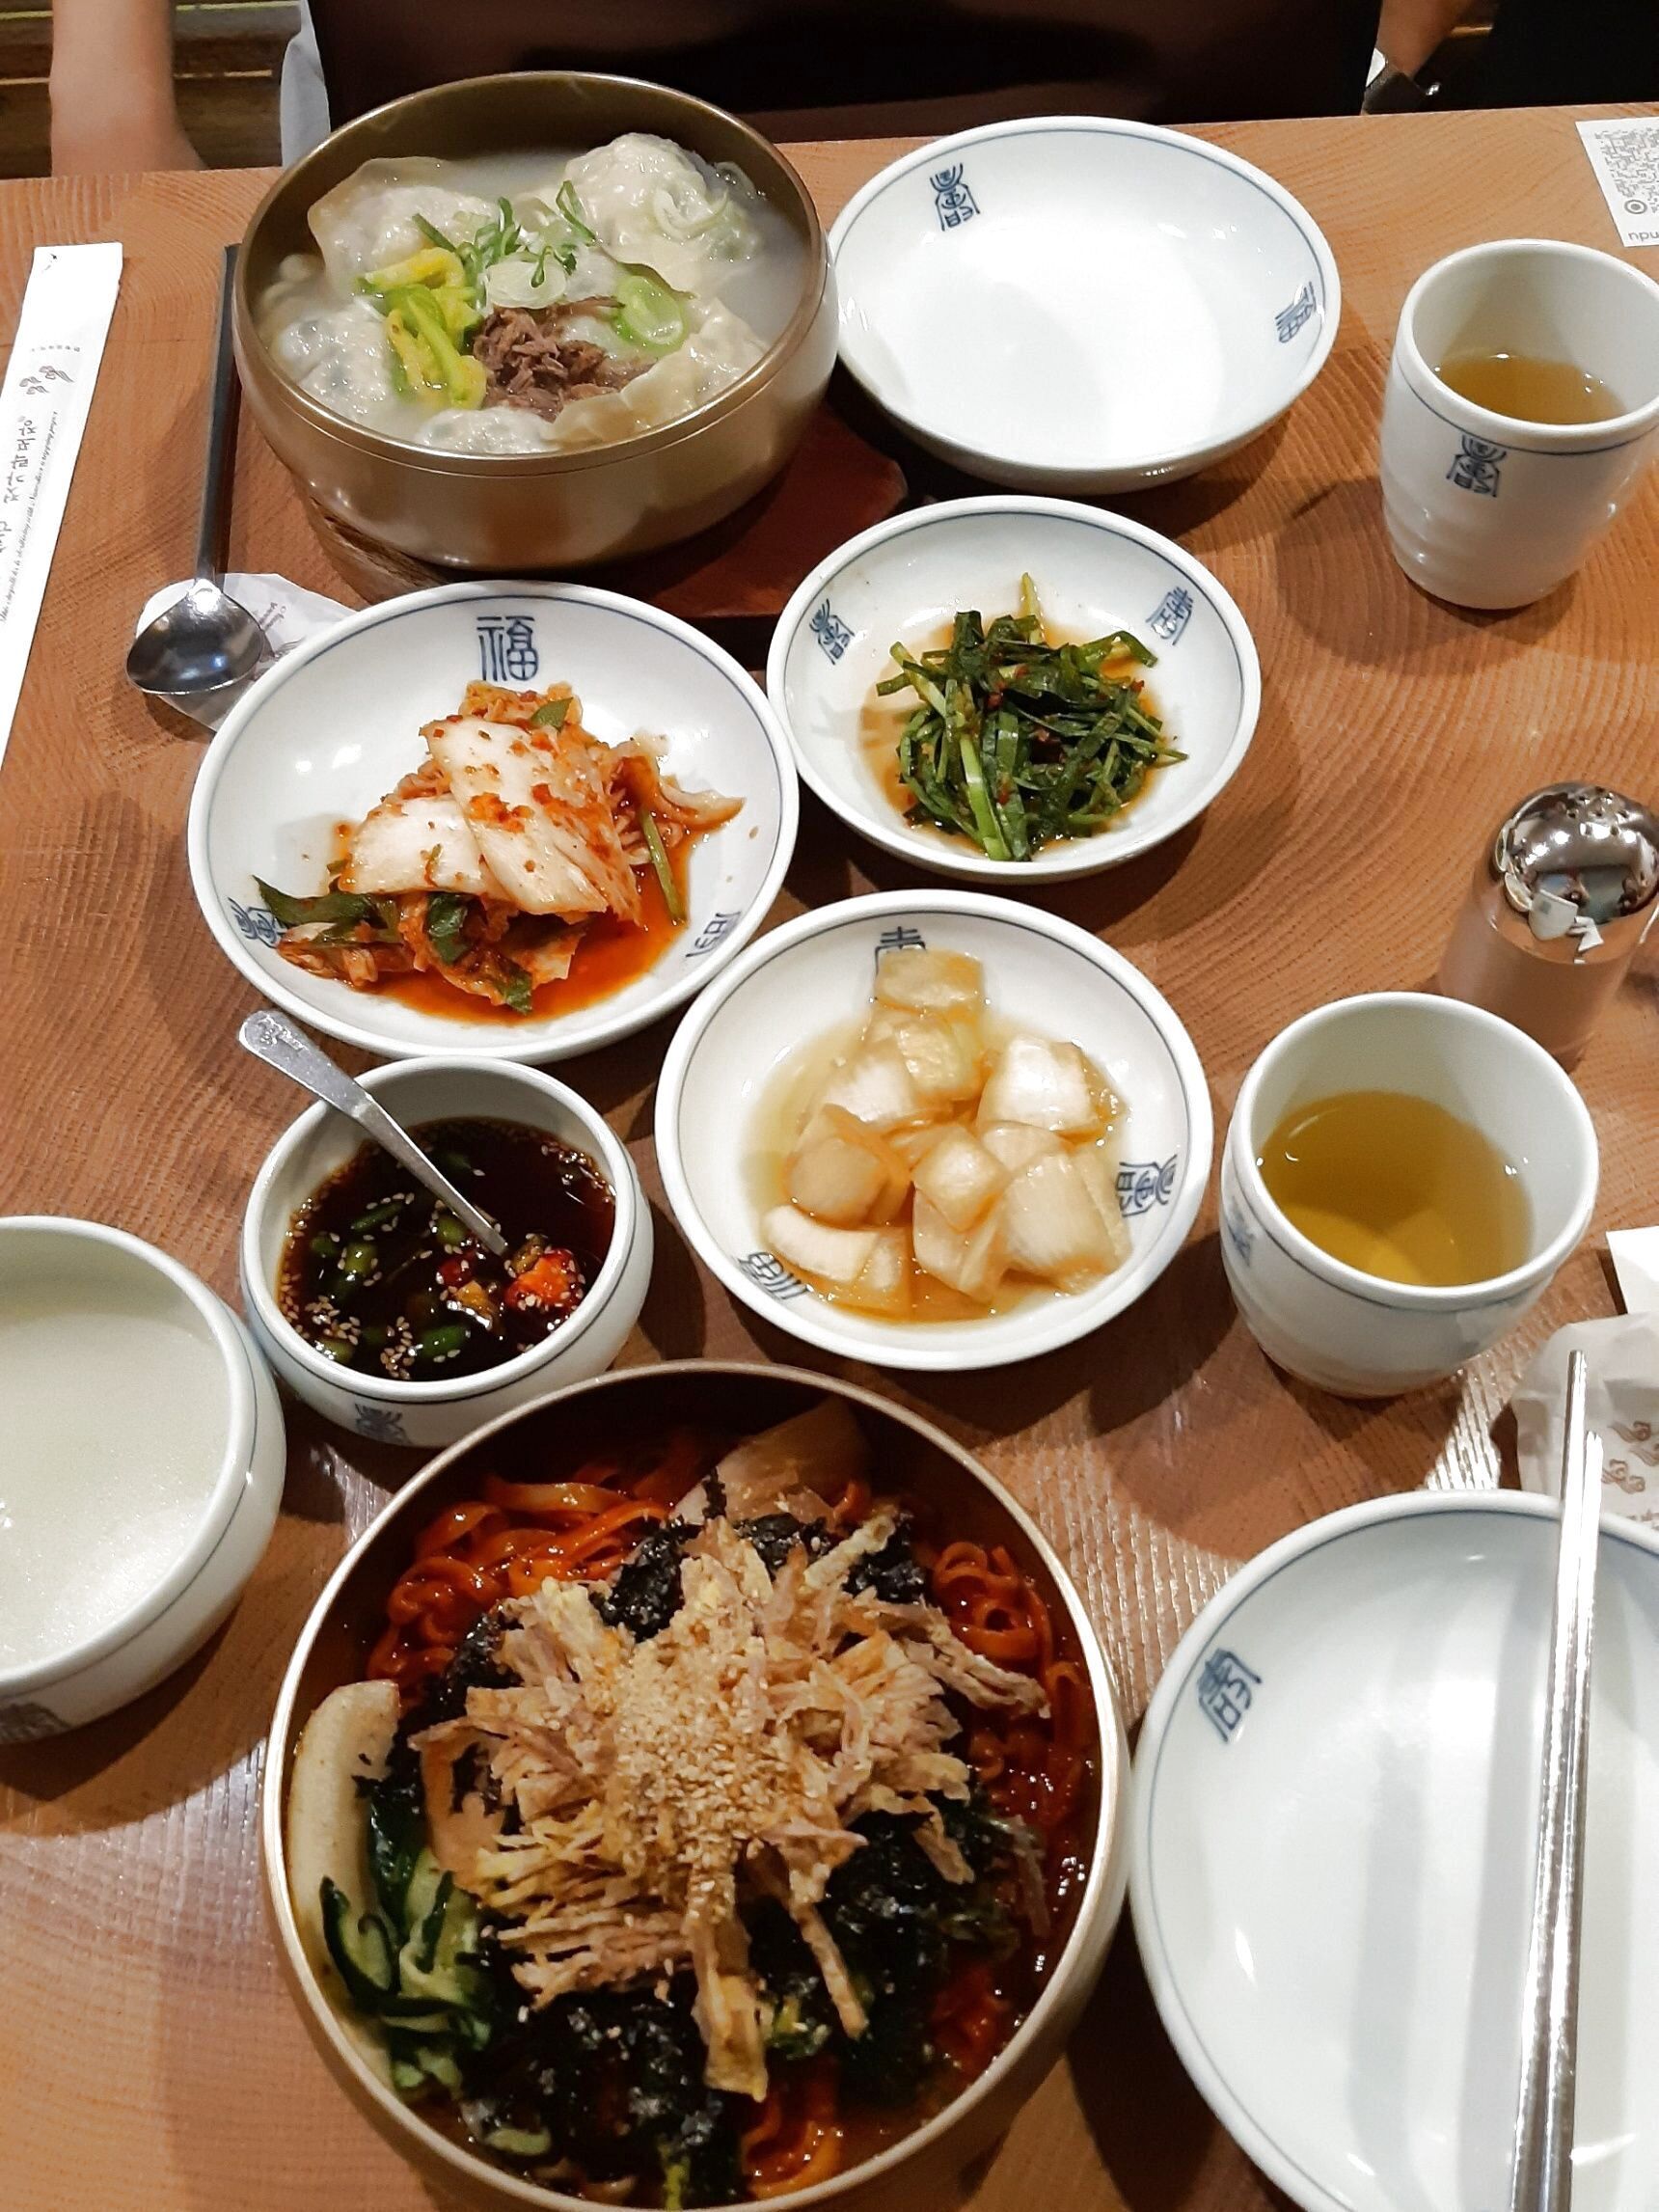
point(815, 975)
point(335, 725)
point(1332, 1851)
point(1095, 572)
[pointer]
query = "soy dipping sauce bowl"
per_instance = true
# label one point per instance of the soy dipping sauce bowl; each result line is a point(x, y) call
point(439, 1412)
point(518, 514)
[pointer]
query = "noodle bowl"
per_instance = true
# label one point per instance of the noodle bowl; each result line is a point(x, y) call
point(539, 1511)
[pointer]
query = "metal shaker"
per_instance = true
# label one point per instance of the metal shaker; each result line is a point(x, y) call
point(1559, 904)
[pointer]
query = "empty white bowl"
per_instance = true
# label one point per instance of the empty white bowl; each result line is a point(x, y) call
point(335, 724)
point(1080, 304)
point(903, 580)
point(1332, 1855)
point(432, 1414)
point(814, 975)
point(140, 1473)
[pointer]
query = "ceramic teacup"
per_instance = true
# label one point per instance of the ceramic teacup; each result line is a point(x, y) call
point(1332, 1324)
point(1485, 509)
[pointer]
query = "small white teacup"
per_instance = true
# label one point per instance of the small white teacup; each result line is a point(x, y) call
point(1483, 508)
point(1354, 1333)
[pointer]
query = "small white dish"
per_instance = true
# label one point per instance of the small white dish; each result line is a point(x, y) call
point(141, 1473)
point(1079, 304)
point(813, 976)
point(334, 725)
point(1332, 1844)
point(903, 580)
point(433, 1413)
point(1332, 1325)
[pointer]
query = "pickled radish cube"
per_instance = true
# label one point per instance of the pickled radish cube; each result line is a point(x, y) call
point(835, 1256)
point(927, 982)
point(883, 1287)
point(917, 1140)
point(1017, 1144)
point(874, 1086)
point(973, 1263)
point(834, 1180)
point(895, 1169)
point(884, 1024)
point(944, 1056)
point(960, 1177)
point(1098, 1165)
point(1047, 1085)
point(1054, 1229)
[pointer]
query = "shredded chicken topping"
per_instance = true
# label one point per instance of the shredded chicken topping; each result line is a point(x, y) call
point(732, 1752)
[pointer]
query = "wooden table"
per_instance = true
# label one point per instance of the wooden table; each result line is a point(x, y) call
point(149, 2059)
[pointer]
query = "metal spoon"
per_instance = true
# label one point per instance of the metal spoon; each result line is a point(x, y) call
point(274, 1039)
point(205, 641)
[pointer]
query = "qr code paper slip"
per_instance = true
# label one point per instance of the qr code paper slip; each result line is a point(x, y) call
point(1624, 154)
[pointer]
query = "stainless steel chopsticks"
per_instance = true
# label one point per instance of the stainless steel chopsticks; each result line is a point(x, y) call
point(1541, 2177)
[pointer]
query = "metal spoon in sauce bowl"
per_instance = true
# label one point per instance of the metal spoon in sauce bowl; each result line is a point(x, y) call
point(206, 642)
point(274, 1039)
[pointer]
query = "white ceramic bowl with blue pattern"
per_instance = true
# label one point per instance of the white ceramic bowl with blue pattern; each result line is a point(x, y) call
point(1095, 572)
point(335, 724)
point(1332, 1848)
point(1077, 303)
point(428, 1414)
point(814, 976)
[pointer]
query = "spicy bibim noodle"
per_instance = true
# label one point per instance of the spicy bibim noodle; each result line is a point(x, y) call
point(723, 1816)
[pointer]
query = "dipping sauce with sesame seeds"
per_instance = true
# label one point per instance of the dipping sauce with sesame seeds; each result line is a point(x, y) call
point(380, 1276)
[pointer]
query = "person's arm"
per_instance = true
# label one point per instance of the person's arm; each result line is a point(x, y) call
point(1409, 30)
point(113, 104)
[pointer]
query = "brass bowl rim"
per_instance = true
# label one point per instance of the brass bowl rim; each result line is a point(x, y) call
point(403, 453)
point(1074, 1972)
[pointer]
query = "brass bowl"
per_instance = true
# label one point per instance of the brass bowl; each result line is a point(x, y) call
point(912, 1457)
point(518, 513)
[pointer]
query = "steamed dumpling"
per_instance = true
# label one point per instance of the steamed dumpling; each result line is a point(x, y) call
point(340, 357)
point(368, 221)
point(652, 202)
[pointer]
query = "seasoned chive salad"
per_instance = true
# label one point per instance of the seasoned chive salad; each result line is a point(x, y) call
point(1016, 741)
point(382, 1278)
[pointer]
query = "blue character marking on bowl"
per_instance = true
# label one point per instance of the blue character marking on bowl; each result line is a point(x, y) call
point(1143, 1184)
point(714, 930)
point(1171, 616)
point(768, 1272)
point(1225, 1689)
point(383, 1424)
point(508, 649)
point(833, 634)
point(899, 939)
point(1290, 319)
point(953, 198)
point(255, 922)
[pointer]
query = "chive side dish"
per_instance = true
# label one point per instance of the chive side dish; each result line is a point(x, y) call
point(1016, 741)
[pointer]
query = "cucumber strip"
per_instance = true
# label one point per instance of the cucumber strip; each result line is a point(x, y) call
point(360, 1945)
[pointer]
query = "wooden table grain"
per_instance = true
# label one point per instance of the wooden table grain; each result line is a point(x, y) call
point(149, 2059)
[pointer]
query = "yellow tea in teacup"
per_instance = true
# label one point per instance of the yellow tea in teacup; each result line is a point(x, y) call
point(1530, 389)
point(1398, 1188)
